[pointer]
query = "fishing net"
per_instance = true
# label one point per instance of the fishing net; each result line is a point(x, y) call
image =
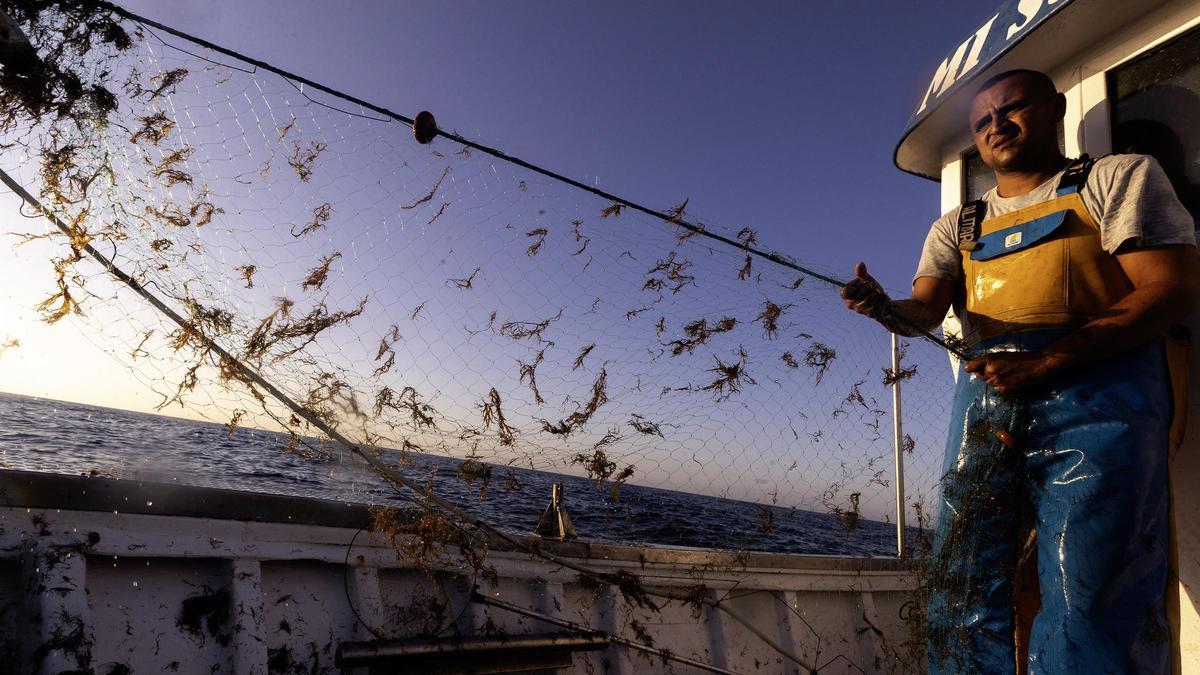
point(434, 299)
point(441, 300)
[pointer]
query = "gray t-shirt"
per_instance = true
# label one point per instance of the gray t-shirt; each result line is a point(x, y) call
point(1129, 196)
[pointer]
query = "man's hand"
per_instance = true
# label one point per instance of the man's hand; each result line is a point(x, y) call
point(864, 295)
point(1012, 371)
point(921, 312)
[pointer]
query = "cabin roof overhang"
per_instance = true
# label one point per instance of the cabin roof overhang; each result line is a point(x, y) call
point(1037, 34)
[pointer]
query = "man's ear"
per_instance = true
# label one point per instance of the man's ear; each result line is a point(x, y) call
point(1060, 106)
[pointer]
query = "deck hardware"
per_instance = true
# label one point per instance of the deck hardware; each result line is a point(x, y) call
point(508, 654)
point(554, 523)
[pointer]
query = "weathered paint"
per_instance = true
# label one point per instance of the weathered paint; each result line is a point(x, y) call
point(192, 594)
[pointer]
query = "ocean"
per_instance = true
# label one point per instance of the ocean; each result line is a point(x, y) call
point(72, 438)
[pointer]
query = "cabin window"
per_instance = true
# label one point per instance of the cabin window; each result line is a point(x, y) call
point(977, 176)
point(1155, 105)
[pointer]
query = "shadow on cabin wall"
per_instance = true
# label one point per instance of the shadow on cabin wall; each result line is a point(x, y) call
point(1159, 119)
point(1169, 134)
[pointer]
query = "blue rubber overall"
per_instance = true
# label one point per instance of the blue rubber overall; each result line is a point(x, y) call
point(1087, 458)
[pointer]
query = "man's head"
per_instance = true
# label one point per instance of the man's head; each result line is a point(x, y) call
point(1014, 121)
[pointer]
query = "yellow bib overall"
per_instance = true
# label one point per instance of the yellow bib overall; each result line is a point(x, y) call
point(1039, 268)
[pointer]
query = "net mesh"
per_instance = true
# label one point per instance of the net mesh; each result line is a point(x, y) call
point(436, 300)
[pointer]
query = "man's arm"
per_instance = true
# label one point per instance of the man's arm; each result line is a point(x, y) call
point(1166, 285)
point(921, 312)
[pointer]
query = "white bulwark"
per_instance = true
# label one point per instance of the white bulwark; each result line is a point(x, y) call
point(1130, 70)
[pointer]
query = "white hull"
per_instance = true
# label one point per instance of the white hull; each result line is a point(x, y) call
point(170, 579)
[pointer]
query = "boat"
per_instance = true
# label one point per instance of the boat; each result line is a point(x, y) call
point(130, 576)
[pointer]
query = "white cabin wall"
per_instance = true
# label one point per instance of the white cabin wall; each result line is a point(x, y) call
point(952, 181)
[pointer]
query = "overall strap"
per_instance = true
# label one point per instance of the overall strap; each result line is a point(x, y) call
point(1075, 176)
point(970, 217)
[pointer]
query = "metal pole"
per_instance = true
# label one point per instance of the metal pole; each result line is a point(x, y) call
point(898, 445)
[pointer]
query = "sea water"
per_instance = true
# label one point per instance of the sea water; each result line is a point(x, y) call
point(71, 438)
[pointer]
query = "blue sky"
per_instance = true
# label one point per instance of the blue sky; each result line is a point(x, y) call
point(778, 116)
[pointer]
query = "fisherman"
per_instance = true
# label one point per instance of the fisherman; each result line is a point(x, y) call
point(1065, 277)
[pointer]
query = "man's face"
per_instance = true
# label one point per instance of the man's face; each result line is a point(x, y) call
point(1015, 125)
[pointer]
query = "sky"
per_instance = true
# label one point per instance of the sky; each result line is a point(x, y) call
point(777, 116)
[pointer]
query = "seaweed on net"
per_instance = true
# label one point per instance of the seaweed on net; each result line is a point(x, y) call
point(247, 274)
point(529, 372)
point(320, 216)
point(583, 354)
point(769, 318)
point(853, 397)
point(603, 470)
point(730, 376)
point(645, 426)
point(167, 170)
point(428, 196)
point(283, 129)
point(494, 414)
point(139, 349)
point(511, 482)
point(63, 302)
point(747, 268)
point(438, 214)
point(424, 541)
point(675, 213)
point(698, 332)
point(155, 127)
point(894, 375)
point(164, 83)
point(307, 329)
point(304, 158)
point(540, 234)
point(613, 209)
point(789, 360)
point(473, 470)
point(330, 395)
point(465, 283)
point(202, 211)
point(891, 376)
point(234, 421)
point(520, 330)
point(385, 347)
point(260, 340)
point(795, 284)
point(669, 273)
point(579, 418)
point(408, 401)
point(819, 357)
point(317, 276)
point(597, 465)
point(985, 486)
